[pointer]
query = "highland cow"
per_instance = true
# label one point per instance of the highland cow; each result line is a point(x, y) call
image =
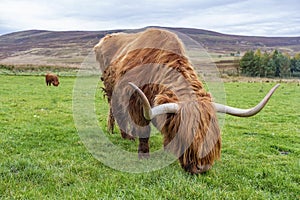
point(51, 79)
point(148, 78)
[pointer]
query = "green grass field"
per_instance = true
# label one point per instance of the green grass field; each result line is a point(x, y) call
point(43, 157)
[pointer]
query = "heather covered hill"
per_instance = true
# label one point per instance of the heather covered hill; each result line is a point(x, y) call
point(69, 48)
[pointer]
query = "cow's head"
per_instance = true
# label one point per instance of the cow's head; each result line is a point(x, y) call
point(55, 81)
point(193, 133)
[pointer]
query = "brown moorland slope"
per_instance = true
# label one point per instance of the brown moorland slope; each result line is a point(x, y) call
point(69, 48)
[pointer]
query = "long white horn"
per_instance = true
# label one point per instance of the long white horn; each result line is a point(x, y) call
point(150, 113)
point(245, 112)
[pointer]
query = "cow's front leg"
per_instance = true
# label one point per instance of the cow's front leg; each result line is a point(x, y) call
point(143, 134)
point(110, 121)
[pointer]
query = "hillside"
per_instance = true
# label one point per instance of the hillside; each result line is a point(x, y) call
point(69, 48)
point(39, 47)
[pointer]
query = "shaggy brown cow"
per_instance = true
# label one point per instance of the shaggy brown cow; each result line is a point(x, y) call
point(148, 78)
point(51, 79)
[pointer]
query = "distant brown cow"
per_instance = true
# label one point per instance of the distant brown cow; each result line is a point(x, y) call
point(52, 78)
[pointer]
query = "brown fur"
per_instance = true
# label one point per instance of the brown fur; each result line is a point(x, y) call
point(165, 75)
point(51, 79)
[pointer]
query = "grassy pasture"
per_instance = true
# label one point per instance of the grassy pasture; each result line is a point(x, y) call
point(42, 156)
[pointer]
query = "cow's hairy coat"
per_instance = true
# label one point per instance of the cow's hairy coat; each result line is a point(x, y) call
point(51, 79)
point(155, 61)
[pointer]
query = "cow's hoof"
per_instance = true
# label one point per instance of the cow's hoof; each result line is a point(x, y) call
point(144, 155)
point(127, 136)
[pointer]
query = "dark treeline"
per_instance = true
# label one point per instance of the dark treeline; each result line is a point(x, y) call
point(275, 64)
